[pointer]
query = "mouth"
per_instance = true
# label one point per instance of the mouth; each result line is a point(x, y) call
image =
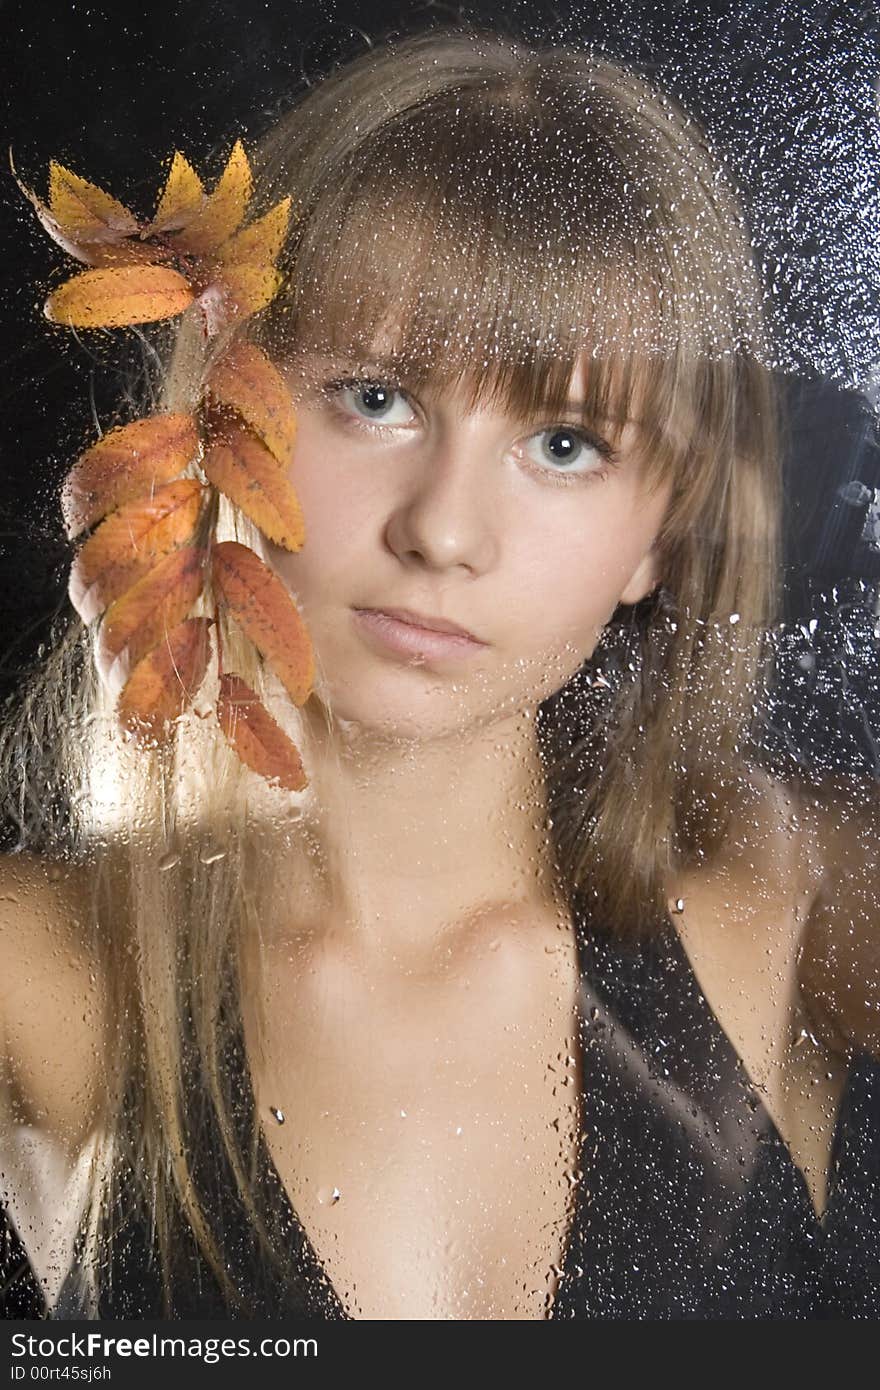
point(423, 622)
point(415, 635)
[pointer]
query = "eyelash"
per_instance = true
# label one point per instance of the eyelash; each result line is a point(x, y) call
point(609, 455)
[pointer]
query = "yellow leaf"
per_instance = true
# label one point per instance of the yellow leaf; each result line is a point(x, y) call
point(127, 462)
point(82, 209)
point(89, 224)
point(182, 198)
point(261, 242)
point(249, 288)
point(223, 210)
point(114, 298)
point(85, 212)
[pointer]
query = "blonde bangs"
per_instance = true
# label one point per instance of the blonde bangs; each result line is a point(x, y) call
point(466, 244)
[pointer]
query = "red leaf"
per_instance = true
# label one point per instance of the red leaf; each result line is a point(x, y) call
point(251, 477)
point(257, 738)
point(138, 621)
point(163, 683)
point(262, 606)
point(247, 382)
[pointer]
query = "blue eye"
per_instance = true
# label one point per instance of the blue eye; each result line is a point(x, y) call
point(570, 450)
point(368, 400)
point(571, 454)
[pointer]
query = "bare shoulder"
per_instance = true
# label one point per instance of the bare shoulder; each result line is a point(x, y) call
point(840, 966)
point(53, 1003)
point(741, 909)
point(821, 843)
point(773, 839)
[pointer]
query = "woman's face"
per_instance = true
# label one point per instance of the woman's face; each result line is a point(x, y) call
point(518, 530)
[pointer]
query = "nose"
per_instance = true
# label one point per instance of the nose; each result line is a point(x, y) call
point(447, 517)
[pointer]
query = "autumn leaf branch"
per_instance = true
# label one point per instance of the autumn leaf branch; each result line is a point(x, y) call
point(150, 551)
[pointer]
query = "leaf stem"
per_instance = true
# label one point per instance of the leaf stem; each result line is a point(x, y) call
point(219, 640)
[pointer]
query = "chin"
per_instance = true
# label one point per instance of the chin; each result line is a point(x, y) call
point(403, 715)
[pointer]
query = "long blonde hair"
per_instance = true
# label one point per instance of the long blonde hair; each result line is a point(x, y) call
point(506, 206)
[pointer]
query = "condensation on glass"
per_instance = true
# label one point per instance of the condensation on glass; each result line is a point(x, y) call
point(555, 994)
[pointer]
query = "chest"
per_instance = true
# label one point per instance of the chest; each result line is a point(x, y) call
point(742, 929)
point(428, 1142)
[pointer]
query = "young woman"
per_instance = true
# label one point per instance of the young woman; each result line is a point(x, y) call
point(551, 996)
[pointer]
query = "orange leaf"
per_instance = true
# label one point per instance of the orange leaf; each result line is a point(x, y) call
point(246, 381)
point(130, 542)
point(249, 288)
point(162, 684)
point(223, 210)
point(137, 622)
point(268, 616)
point(261, 242)
point(257, 738)
point(244, 470)
point(182, 198)
point(124, 464)
point(114, 298)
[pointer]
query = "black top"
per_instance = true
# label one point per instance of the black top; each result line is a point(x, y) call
point(688, 1204)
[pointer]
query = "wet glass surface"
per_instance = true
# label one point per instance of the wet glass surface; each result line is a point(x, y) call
point(553, 991)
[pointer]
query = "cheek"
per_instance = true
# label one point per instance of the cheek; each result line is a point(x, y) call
point(569, 590)
point(336, 520)
point(338, 483)
point(326, 502)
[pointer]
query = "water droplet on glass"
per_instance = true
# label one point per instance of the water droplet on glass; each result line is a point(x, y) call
point(276, 1114)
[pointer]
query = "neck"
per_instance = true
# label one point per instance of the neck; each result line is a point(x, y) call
point(401, 841)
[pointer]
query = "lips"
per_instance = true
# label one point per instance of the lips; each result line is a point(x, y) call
point(424, 620)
